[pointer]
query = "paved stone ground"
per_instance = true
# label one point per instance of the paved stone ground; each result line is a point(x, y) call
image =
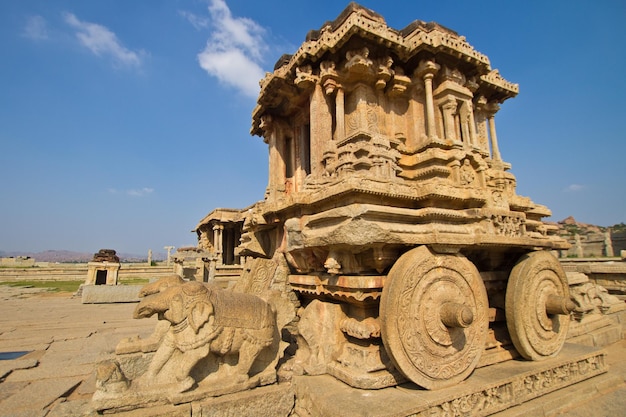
point(65, 338)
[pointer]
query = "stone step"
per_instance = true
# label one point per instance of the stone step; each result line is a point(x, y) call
point(577, 397)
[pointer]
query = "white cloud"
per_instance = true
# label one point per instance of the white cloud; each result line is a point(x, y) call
point(234, 50)
point(101, 41)
point(575, 187)
point(140, 192)
point(35, 28)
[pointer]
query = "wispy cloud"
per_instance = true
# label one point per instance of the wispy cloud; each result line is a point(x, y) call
point(234, 50)
point(102, 42)
point(140, 192)
point(198, 22)
point(35, 28)
point(572, 188)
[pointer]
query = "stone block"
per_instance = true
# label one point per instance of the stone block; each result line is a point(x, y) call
point(607, 335)
point(574, 278)
point(584, 340)
point(102, 294)
point(271, 401)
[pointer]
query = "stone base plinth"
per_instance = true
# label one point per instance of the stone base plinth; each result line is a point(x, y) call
point(487, 391)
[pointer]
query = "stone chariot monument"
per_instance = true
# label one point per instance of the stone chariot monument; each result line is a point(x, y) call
point(391, 246)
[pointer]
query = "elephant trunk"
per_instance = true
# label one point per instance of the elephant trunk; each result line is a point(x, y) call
point(150, 305)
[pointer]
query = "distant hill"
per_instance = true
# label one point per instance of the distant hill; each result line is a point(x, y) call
point(66, 256)
point(571, 227)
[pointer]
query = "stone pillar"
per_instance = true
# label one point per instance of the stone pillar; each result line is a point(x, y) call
point(321, 129)
point(217, 241)
point(427, 70)
point(608, 244)
point(149, 257)
point(169, 253)
point(492, 132)
point(449, 107)
point(579, 247)
point(276, 165)
point(340, 130)
point(472, 125)
point(481, 124)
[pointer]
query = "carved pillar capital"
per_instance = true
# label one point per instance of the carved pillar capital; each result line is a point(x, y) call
point(427, 69)
point(491, 108)
point(266, 126)
point(329, 77)
point(305, 78)
point(384, 72)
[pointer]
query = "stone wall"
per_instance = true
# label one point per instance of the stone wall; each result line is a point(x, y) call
point(594, 245)
point(78, 272)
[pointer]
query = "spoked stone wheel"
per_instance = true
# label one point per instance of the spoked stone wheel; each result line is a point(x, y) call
point(537, 306)
point(434, 317)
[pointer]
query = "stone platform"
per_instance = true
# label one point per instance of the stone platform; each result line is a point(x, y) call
point(66, 338)
point(487, 391)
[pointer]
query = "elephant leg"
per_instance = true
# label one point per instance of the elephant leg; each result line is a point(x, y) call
point(161, 356)
point(247, 355)
point(189, 360)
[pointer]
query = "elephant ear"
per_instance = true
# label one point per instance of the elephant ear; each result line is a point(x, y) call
point(199, 315)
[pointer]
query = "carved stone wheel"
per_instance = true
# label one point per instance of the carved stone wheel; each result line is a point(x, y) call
point(537, 306)
point(434, 317)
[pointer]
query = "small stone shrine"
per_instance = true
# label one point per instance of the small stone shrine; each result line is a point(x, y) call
point(391, 248)
point(104, 268)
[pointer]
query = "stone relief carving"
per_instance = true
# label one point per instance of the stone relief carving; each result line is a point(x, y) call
point(208, 341)
point(207, 321)
point(591, 298)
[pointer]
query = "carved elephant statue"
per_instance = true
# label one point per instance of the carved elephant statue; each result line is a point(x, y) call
point(205, 321)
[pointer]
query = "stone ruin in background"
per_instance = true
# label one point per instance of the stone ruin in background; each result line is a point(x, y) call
point(103, 269)
point(391, 246)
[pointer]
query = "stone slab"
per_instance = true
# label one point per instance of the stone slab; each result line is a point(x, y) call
point(6, 367)
point(83, 408)
point(607, 336)
point(51, 371)
point(103, 294)
point(487, 391)
point(7, 389)
point(38, 395)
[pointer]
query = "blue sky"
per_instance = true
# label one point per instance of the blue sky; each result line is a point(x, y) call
point(123, 123)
